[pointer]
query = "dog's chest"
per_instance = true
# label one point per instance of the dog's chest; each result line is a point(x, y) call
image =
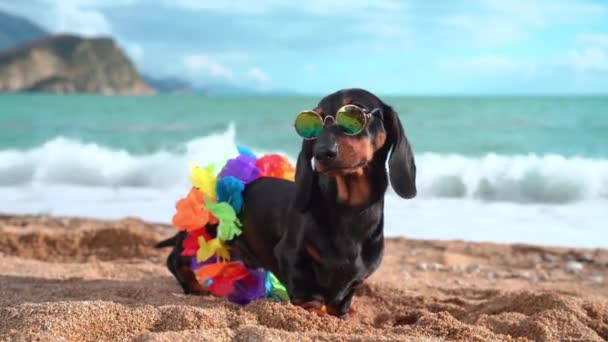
point(344, 248)
point(346, 257)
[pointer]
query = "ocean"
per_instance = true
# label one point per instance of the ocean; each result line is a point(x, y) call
point(501, 169)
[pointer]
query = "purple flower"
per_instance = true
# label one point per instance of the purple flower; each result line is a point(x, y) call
point(249, 289)
point(242, 168)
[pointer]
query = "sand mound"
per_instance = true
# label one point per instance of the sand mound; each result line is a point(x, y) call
point(78, 239)
point(78, 279)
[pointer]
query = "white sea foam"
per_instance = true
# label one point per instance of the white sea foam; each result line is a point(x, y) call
point(521, 178)
point(526, 198)
point(63, 161)
point(578, 224)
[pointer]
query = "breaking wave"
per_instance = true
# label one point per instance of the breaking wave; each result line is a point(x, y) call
point(552, 179)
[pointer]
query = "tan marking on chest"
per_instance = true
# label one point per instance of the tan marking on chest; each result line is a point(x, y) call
point(354, 189)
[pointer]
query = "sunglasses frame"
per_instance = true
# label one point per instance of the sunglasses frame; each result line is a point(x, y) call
point(366, 115)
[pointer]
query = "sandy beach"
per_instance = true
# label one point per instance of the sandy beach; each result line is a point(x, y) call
point(81, 279)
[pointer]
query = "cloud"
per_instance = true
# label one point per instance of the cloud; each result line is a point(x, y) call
point(590, 54)
point(498, 22)
point(258, 75)
point(347, 7)
point(203, 65)
point(309, 67)
point(482, 30)
point(85, 17)
point(584, 60)
point(593, 59)
point(135, 51)
point(489, 65)
point(597, 39)
point(284, 25)
point(262, 7)
point(573, 68)
point(241, 7)
point(71, 17)
point(329, 44)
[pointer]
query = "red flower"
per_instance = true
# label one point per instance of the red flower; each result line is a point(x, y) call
point(223, 276)
point(190, 243)
point(275, 166)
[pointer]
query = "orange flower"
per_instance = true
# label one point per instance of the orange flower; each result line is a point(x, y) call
point(190, 214)
point(231, 270)
point(211, 270)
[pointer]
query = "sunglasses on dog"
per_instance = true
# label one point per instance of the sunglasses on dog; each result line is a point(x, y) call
point(351, 119)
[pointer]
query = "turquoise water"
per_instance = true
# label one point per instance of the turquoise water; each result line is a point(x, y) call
point(469, 126)
point(505, 169)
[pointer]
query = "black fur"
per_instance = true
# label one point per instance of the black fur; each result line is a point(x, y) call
point(319, 247)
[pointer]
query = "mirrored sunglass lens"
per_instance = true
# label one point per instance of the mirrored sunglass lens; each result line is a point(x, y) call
point(351, 120)
point(308, 125)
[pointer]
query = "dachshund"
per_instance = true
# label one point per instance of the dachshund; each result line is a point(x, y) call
point(322, 235)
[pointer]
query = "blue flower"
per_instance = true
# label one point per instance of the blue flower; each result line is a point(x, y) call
point(230, 189)
point(246, 151)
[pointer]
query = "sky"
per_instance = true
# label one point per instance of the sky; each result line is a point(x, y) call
point(318, 46)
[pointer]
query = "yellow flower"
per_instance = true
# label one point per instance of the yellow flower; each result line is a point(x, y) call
point(204, 179)
point(212, 247)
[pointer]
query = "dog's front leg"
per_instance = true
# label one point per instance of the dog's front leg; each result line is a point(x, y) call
point(179, 265)
point(297, 275)
point(342, 308)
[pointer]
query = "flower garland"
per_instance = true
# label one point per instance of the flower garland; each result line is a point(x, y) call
point(209, 215)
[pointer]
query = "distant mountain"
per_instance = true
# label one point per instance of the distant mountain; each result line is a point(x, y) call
point(169, 85)
point(16, 31)
point(32, 60)
point(70, 64)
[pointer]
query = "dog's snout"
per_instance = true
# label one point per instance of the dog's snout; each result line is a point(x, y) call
point(326, 152)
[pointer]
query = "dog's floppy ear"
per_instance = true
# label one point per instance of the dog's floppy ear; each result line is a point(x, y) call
point(401, 165)
point(304, 177)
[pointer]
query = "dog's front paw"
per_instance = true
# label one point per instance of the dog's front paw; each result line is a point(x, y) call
point(315, 306)
point(340, 312)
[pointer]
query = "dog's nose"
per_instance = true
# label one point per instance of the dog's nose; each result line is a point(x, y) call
point(326, 153)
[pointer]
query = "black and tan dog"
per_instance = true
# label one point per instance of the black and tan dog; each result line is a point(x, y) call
point(323, 235)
